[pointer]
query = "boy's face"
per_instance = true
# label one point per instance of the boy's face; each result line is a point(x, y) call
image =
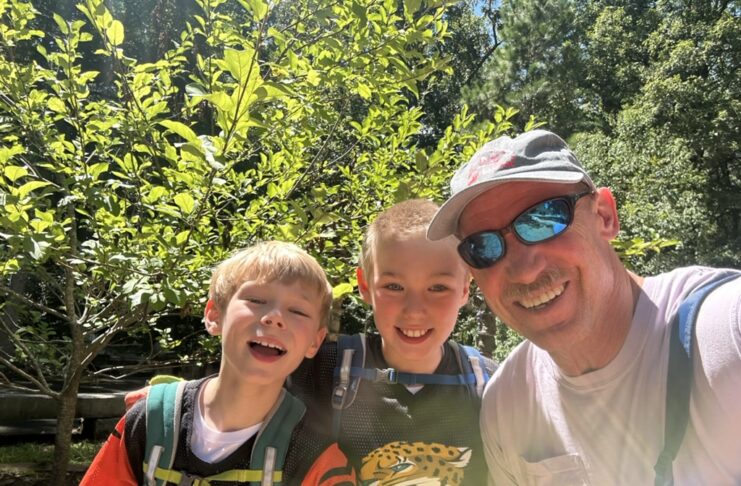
point(416, 288)
point(267, 329)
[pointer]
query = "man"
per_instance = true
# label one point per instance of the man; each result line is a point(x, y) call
point(582, 400)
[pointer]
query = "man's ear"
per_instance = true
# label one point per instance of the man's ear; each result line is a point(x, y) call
point(212, 318)
point(363, 286)
point(318, 340)
point(609, 224)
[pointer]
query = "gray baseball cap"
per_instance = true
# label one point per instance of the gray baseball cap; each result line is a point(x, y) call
point(537, 156)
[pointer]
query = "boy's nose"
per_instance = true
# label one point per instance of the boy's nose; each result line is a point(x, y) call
point(414, 304)
point(273, 318)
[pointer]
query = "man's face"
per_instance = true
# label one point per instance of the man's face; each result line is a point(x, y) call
point(554, 293)
point(416, 288)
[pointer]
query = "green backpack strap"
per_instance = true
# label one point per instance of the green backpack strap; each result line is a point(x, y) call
point(271, 444)
point(163, 428)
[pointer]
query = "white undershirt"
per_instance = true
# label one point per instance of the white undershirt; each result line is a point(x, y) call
point(211, 445)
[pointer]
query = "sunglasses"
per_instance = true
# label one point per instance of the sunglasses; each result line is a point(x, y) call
point(539, 223)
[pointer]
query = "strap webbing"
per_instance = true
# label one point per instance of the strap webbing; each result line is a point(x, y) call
point(679, 378)
point(163, 424)
point(390, 375)
point(234, 475)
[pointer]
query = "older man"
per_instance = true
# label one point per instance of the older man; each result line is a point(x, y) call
point(583, 399)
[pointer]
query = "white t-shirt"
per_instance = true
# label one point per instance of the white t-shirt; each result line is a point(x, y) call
point(211, 445)
point(606, 427)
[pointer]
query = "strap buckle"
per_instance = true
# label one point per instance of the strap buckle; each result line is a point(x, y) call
point(339, 395)
point(388, 375)
point(188, 480)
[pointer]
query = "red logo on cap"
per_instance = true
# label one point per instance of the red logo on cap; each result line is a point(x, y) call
point(492, 162)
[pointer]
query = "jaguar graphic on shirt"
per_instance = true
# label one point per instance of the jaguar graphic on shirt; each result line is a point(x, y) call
point(415, 463)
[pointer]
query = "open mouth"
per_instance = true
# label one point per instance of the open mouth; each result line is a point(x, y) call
point(542, 299)
point(266, 349)
point(414, 333)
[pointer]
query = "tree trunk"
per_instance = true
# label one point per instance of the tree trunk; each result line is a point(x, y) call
point(62, 443)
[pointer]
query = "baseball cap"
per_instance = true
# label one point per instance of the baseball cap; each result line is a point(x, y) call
point(537, 156)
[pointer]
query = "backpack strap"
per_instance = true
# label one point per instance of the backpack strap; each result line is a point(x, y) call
point(268, 453)
point(351, 370)
point(163, 428)
point(679, 378)
point(350, 356)
point(473, 363)
point(271, 445)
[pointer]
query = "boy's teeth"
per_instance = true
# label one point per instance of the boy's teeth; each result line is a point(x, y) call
point(543, 298)
point(268, 345)
point(414, 333)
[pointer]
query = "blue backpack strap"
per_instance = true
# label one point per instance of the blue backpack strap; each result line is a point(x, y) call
point(477, 364)
point(163, 428)
point(679, 378)
point(350, 356)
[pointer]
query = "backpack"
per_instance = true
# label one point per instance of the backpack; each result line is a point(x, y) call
point(351, 370)
point(163, 429)
point(679, 377)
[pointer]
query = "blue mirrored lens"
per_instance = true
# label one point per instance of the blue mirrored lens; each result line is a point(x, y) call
point(544, 221)
point(483, 249)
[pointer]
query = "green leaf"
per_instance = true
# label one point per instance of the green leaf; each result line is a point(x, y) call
point(61, 23)
point(26, 188)
point(115, 33)
point(155, 194)
point(342, 289)
point(55, 104)
point(238, 62)
point(13, 172)
point(96, 170)
point(364, 91)
point(180, 129)
point(258, 8)
point(185, 202)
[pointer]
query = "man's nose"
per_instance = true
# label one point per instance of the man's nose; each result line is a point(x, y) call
point(523, 263)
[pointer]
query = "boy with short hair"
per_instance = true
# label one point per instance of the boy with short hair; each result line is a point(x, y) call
point(424, 431)
point(270, 304)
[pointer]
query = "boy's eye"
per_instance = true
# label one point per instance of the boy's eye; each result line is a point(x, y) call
point(439, 288)
point(393, 286)
point(255, 300)
point(299, 312)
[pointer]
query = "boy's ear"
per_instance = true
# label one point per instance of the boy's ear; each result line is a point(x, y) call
point(212, 318)
point(609, 224)
point(363, 287)
point(318, 340)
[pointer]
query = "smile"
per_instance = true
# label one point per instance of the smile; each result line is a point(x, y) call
point(414, 333)
point(542, 299)
point(267, 348)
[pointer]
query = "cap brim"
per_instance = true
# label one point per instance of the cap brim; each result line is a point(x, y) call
point(445, 221)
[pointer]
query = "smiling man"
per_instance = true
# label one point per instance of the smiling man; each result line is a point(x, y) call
point(583, 399)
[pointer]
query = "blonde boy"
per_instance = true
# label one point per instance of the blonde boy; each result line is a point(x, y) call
point(404, 434)
point(270, 304)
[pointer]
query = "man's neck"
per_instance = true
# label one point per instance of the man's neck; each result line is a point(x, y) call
point(231, 404)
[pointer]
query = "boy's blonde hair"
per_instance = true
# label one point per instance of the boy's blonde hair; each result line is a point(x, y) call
point(267, 262)
point(404, 220)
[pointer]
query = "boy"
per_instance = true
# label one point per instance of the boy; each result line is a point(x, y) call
point(404, 434)
point(395, 433)
point(269, 303)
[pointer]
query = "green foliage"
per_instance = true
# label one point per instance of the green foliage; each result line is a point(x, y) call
point(648, 95)
point(83, 452)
